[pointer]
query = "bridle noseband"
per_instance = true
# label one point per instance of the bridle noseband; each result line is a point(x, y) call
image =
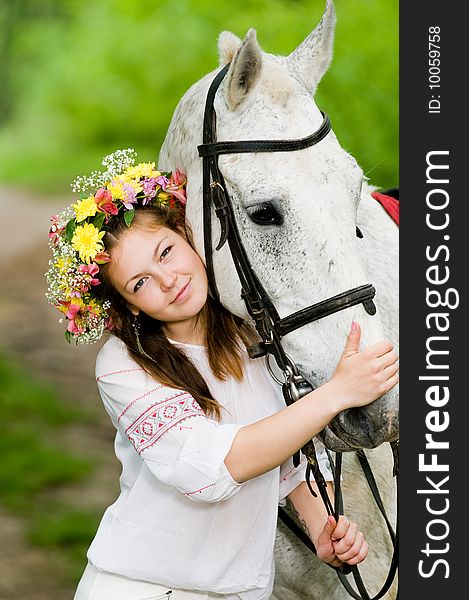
point(270, 327)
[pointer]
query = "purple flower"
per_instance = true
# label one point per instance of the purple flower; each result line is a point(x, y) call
point(130, 196)
point(149, 189)
point(163, 181)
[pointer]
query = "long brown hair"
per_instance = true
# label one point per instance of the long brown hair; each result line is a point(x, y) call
point(225, 333)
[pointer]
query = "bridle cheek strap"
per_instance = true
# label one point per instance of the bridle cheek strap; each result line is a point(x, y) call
point(259, 305)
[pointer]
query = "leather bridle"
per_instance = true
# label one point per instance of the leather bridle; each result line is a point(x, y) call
point(259, 306)
point(270, 327)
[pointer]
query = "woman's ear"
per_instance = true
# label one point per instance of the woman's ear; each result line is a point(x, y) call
point(133, 309)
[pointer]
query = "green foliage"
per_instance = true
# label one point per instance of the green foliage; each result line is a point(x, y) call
point(36, 465)
point(89, 77)
point(64, 529)
point(68, 531)
point(32, 462)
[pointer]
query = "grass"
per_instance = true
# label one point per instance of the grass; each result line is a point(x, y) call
point(36, 466)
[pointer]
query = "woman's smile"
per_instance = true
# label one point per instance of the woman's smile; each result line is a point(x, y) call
point(182, 294)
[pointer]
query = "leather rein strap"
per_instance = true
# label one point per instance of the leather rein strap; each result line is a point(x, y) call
point(338, 503)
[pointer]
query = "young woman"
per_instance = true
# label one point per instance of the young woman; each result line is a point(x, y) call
point(203, 434)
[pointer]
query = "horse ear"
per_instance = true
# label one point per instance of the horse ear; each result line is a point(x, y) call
point(313, 56)
point(244, 70)
point(228, 44)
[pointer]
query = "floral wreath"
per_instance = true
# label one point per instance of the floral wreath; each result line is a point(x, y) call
point(75, 236)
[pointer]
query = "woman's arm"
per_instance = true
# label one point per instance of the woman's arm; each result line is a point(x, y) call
point(309, 512)
point(360, 378)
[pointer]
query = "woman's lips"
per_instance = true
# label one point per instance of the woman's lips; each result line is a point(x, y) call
point(181, 295)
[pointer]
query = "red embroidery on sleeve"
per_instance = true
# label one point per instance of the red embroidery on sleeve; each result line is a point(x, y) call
point(118, 373)
point(199, 490)
point(137, 399)
point(148, 428)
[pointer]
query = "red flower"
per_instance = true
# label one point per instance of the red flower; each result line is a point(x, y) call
point(176, 186)
point(103, 199)
point(55, 230)
point(102, 258)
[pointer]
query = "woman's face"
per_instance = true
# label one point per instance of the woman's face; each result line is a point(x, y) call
point(157, 272)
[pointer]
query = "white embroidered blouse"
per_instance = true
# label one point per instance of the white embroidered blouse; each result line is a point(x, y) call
point(180, 519)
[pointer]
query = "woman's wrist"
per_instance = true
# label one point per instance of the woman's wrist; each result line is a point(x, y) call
point(331, 398)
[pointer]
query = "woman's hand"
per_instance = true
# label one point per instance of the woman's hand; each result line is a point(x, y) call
point(341, 542)
point(361, 376)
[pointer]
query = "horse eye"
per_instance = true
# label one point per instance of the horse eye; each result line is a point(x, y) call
point(265, 214)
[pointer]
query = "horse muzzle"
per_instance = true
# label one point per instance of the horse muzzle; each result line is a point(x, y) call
point(366, 427)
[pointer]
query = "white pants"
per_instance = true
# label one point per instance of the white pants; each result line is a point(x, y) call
point(100, 585)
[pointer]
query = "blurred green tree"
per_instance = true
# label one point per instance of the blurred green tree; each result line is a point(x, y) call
point(85, 78)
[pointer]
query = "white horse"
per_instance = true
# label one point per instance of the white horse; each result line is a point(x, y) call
point(314, 199)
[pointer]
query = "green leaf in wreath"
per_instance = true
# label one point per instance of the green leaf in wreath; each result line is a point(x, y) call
point(70, 229)
point(99, 220)
point(129, 216)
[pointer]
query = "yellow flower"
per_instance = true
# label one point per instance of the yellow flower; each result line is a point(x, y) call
point(124, 190)
point(63, 263)
point(164, 196)
point(85, 208)
point(77, 301)
point(96, 306)
point(87, 241)
point(142, 170)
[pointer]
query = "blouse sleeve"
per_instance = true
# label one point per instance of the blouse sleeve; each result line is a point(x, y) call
point(291, 477)
point(167, 428)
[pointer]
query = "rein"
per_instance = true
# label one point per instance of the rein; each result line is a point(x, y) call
point(270, 327)
point(346, 569)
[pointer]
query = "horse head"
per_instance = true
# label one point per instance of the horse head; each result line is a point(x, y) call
point(296, 211)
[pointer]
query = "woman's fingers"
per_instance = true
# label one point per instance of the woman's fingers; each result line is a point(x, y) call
point(379, 348)
point(344, 543)
point(389, 358)
point(352, 547)
point(391, 382)
point(340, 531)
point(390, 371)
point(357, 555)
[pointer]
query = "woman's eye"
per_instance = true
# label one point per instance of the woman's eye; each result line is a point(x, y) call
point(165, 252)
point(139, 284)
point(265, 214)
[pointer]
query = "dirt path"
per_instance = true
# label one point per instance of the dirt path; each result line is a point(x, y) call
point(30, 333)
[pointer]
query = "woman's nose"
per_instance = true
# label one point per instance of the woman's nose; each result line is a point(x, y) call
point(167, 280)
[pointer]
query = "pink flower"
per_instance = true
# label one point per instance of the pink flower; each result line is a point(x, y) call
point(130, 196)
point(108, 324)
point(103, 199)
point(179, 194)
point(91, 270)
point(176, 186)
point(72, 314)
point(178, 177)
point(55, 230)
